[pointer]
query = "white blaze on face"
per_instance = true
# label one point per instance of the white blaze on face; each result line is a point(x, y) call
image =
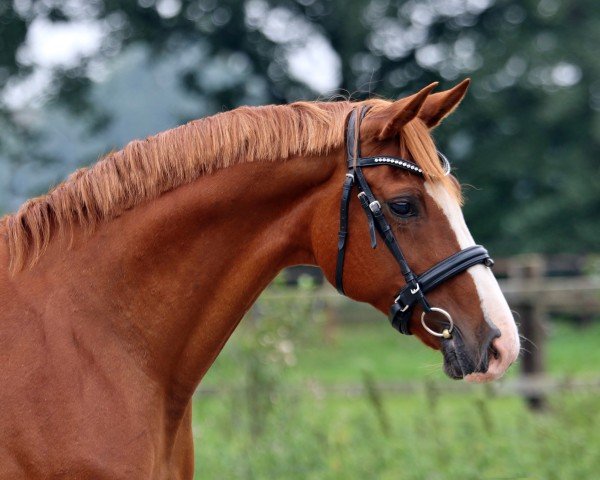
point(493, 304)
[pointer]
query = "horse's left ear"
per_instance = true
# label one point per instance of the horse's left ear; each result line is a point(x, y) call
point(393, 118)
point(439, 105)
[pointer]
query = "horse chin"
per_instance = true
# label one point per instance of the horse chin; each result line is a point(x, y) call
point(457, 363)
point(495, 370)
point(451, 371)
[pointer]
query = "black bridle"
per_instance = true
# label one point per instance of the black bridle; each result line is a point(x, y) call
point(416, 286)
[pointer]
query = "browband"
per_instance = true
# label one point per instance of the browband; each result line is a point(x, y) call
point(416, 286)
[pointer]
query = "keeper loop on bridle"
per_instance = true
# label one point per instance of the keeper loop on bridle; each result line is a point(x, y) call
point(413, 293)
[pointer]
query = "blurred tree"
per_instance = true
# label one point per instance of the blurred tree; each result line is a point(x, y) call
point(527, 137)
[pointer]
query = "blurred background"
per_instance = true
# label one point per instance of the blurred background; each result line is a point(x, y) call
point(312, 385)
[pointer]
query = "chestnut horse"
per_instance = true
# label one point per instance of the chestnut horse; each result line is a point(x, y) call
point(120, 286)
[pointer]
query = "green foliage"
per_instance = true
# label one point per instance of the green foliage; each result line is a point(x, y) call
point(373, 347)
point(527, 137)
point(470, 436)
point(304, 427)
point(275, 328)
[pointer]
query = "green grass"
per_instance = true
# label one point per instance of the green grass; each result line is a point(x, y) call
point(441, 437)
point(377, 348)
point(267, 421)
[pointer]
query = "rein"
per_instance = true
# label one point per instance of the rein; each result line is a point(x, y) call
point(416, 286)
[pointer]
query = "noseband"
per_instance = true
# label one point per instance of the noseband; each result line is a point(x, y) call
point(416, 286)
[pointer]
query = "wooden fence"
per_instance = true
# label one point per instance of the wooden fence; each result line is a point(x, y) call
point(536, 287)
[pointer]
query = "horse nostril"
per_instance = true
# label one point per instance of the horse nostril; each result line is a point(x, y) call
point(493, 352)
point(490, 352)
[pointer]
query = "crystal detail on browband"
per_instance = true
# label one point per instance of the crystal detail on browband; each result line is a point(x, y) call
point(411, 166)
point(399, 163)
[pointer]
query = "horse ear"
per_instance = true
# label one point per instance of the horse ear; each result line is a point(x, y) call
point(401, 112)
point(439, 105)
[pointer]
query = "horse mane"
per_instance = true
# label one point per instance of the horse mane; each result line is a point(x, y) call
point(145, 169)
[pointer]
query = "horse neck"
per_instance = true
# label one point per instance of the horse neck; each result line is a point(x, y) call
point(173, 277)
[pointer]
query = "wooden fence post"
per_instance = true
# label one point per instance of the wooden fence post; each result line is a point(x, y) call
point(531, 268)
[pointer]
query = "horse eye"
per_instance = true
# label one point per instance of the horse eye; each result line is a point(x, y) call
point(402, 209)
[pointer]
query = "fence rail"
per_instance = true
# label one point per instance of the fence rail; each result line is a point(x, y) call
point(534, 292)
point(536, 288)
point(521, 386)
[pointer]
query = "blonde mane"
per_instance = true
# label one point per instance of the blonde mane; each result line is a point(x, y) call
point(144, 169)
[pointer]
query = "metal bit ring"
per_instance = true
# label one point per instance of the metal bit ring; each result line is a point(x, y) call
point(447, 332)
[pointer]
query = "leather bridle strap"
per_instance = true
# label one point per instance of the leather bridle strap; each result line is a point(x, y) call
point(416, 286)
point(370, 205)
point(343, 232)
point(352, 152)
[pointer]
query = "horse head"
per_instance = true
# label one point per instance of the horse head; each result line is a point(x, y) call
point(398, 193)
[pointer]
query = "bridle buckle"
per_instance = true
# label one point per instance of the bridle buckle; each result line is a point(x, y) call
point(403, 309)
point(375, 206)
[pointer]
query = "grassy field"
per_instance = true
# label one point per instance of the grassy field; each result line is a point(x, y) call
point(265, 418)
point(449, 437)
point(377, 348)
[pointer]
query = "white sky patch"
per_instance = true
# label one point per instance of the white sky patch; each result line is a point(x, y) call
point(50, 45)
point(566, 74)
point(316, 64)
point(27, 92)
point(60, 44)
point(309, 56)
point(168, 8)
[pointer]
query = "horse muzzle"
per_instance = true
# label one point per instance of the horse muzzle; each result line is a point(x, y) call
point(461, 360)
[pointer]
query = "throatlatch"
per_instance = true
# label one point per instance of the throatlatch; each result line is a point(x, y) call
point(416, 286)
